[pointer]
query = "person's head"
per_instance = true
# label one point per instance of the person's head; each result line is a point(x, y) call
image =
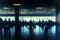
point(9, 19)
point(49, 21)
point(12, 20)
point(39, 21)
point(1, 19)
point(42, 20)
point(33, 20)
point(5, 20)
point(30, 20)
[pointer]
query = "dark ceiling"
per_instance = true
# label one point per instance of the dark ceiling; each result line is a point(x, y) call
point(28, 2)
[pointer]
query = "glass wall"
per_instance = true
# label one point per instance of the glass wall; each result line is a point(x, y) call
point(7, 10)
point(7, 18)
point(38, 32)
point(38, 10)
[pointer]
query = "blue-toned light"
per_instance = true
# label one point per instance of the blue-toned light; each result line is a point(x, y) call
point(58, 29)
point(41, 30)
point(38, 30)
point(52, 32)
point(53, 29)
point(3, 31)
point(24, 30)
point(12, 30)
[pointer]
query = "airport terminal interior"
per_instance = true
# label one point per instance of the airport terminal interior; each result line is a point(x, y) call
point(29, 20)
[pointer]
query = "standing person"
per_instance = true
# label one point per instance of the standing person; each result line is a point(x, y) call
point(13, 30)
point(9, 27)
point(5, 29)
point(1, 26)
point(41, 24)
point(47, 26)
point(31, 27)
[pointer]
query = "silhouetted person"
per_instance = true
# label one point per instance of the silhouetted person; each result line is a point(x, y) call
point(41, 24)
point(23, 23)
point(47, 26)
point(20, 23)
point(1, 23)
point(5, 29)
point(9, 24)
point(12, 23)
point(31, 27)
point(1, 26)
point(9, 27)
point(11, 34)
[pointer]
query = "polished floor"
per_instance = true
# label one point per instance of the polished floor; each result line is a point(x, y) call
point(38, 33)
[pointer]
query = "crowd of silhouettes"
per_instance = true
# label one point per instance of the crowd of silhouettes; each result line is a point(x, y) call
point(30, 25)
point(8, 24)
point(41, 24)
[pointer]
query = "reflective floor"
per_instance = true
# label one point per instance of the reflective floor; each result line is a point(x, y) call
point(38, 33)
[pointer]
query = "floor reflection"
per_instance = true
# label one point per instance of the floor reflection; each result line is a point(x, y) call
point(24, 31)
point(38, 30)
point(52, 33)
point(38, 33)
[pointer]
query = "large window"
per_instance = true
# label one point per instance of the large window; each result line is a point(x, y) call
point(38, 10)
point(38, 31)
point(7, 18)
point(37, 18)
point(7, 10)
